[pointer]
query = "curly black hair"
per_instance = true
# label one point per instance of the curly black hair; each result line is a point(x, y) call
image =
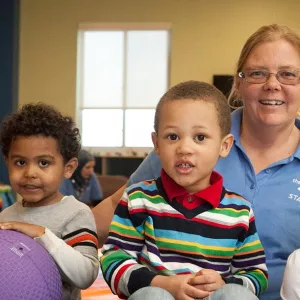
point(44, 120)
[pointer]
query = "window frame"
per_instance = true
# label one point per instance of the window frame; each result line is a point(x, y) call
point(83, 27)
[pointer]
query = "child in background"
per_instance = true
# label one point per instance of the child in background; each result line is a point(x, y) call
point(40, 147)
point(290, 289)
point(183, 235)
point(83, 184)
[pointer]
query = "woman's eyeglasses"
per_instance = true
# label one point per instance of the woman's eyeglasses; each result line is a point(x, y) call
point(287, 76)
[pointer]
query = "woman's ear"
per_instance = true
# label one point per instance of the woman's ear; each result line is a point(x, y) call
point(70, 167)
point(226, 145)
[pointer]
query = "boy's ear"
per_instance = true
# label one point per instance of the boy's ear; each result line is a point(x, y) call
point(226, 145)
point(155, 142)
point(70, 167)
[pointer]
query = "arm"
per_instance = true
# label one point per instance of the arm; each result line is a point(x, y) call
point(248, 265)
point(125, 241)
point(120, 264)
point(78, 269)
point(75, 254)
point(103, 212)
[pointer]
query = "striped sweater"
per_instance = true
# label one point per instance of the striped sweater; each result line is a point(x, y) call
point(148, 236)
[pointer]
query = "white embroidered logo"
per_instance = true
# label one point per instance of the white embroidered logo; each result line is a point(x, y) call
point(294, 196)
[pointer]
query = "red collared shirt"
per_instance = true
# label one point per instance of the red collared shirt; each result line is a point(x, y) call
point(211, 194)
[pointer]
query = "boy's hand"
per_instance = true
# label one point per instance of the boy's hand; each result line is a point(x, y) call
point(207, 280)
point(179, 287)
point(31, 230)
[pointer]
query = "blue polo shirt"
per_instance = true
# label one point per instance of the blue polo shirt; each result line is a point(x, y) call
point(274, 194)
point(92, 192)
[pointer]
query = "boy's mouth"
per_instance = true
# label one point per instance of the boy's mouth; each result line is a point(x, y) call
point(30, 187)
point(184, 165)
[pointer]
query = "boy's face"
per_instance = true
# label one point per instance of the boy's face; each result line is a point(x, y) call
point(189, 142)
point(36, 169)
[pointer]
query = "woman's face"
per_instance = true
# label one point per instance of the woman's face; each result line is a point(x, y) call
point(88, 169)
point(271, 103)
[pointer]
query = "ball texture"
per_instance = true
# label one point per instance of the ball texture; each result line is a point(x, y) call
point(27, 271)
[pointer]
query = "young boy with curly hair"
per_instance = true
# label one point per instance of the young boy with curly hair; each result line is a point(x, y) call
point(40, 147)
point(184, 236)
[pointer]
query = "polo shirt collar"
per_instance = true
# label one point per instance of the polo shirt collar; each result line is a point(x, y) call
point(212, 194)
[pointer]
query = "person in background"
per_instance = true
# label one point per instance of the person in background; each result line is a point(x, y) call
point(83, 184)
point(184, 233)
point(40, 147)
point(264, 162)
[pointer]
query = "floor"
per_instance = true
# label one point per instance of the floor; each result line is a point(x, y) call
point(98, 291)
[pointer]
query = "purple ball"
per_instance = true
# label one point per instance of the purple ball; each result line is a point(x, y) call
point(27, 271)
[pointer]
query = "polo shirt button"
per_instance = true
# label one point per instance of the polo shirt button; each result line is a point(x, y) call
point(190, 199)
point(268, 171)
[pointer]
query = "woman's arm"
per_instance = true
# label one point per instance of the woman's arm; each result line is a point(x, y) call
point(104, 212)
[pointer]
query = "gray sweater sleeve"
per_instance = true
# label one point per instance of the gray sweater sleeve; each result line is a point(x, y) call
point(78, 269)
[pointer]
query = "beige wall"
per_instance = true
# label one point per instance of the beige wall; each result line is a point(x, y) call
point(207, 36)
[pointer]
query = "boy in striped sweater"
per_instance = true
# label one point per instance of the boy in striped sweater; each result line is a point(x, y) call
point(183, 236)
point(40, 147)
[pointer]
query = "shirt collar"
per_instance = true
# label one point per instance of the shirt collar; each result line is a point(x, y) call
point(236, 120)
point(211, 194)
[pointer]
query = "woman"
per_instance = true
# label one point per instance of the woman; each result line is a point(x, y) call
point(264, 163)
point(83, 184)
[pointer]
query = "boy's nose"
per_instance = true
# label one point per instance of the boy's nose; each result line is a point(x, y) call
point(30, 172)
point(185, 147)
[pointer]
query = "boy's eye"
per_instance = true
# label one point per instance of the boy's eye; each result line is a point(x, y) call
point(43, 163)
point(173, 137)
point(199, 137)
point(20, 163)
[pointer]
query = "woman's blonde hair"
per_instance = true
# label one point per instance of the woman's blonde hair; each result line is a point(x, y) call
point(266, 33)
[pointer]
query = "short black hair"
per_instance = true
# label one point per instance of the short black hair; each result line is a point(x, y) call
point(41, 120)
point(197, 90)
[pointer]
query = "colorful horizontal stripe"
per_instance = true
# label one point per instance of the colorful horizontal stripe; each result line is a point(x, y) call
point(149, 236)
point(81, 237)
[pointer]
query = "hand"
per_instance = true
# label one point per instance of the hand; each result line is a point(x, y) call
point(207, 280)
point(31, 230)
point(179, 287)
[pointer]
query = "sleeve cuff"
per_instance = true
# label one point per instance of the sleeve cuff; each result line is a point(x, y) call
point(140, 278)
point(233, 279)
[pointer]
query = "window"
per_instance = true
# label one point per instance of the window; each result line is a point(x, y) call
point(123, 70)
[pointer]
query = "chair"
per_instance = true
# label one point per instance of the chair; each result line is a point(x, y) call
point(111, 183)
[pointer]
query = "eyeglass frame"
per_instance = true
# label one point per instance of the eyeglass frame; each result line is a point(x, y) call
point(243, 75)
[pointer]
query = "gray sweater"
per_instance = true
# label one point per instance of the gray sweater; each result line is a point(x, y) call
point(70, 238)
